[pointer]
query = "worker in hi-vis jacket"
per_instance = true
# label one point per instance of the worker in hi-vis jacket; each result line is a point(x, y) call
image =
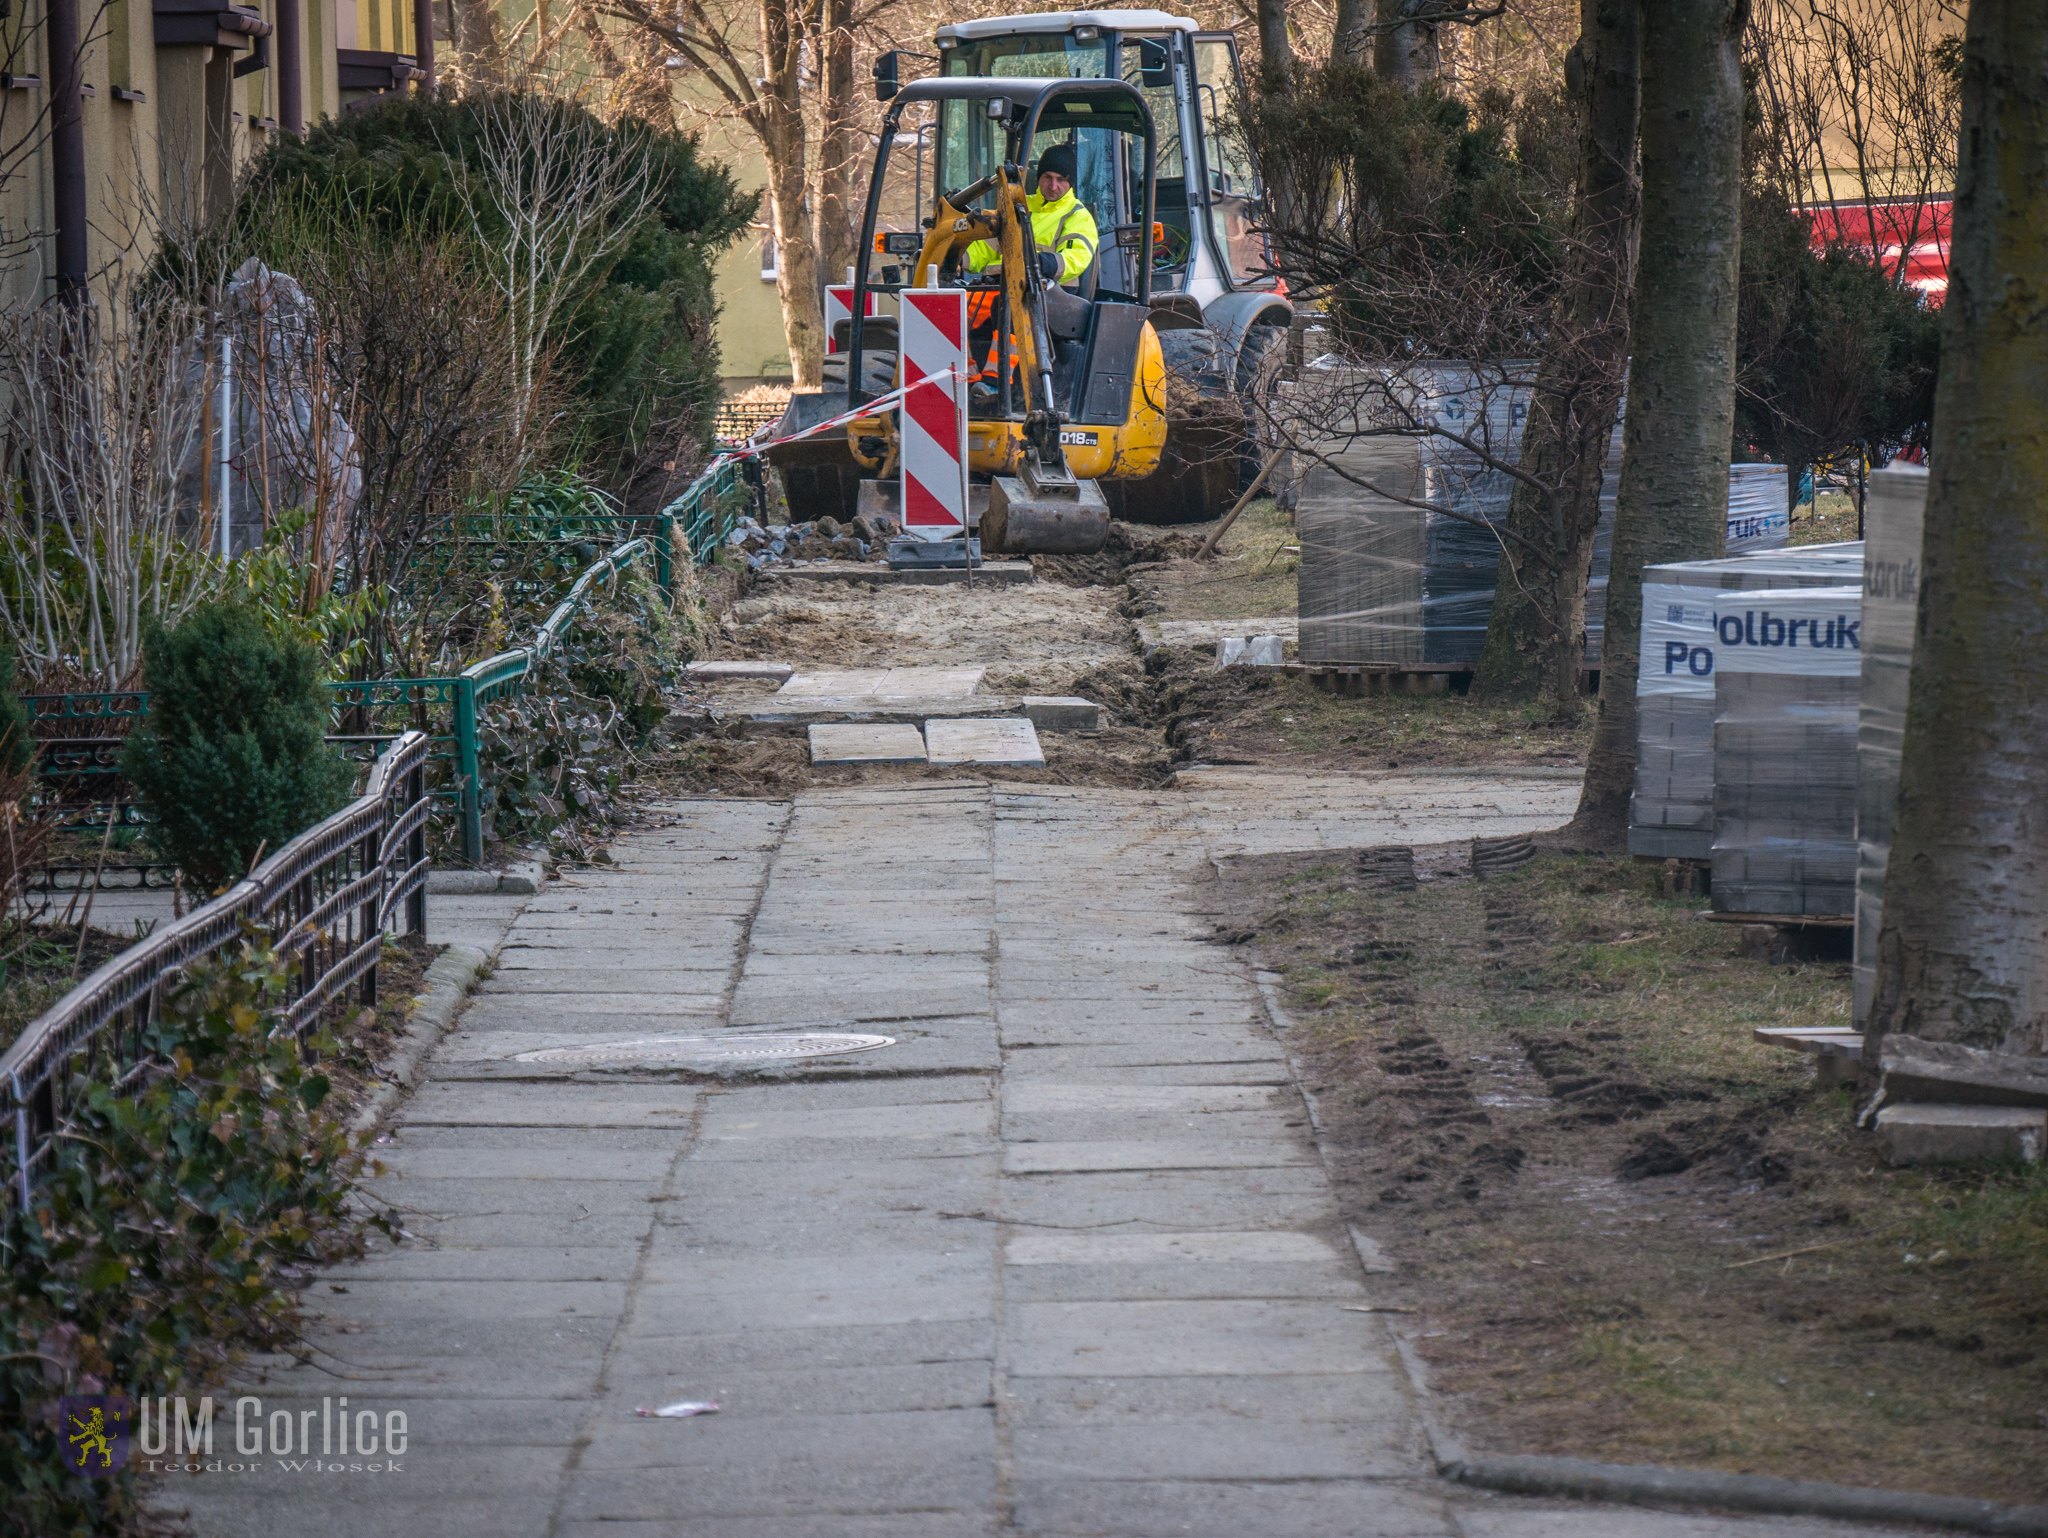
point(1060, 222)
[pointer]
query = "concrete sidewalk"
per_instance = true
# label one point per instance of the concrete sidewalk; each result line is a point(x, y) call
point(1063, 1260)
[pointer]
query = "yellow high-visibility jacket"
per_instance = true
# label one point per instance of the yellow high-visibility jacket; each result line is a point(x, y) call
point(1065, 227)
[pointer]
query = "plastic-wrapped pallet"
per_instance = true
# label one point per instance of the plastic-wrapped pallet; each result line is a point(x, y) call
point(1891, 605)
point(1671, 814)
point(1759, 517)
point(1788, 678)
point(1384, 582)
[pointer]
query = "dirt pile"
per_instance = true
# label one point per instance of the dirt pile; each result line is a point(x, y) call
point(1128, 545)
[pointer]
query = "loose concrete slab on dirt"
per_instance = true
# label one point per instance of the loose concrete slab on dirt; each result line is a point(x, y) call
point(885, 683)
point(1012, 742)
point(865, 743)
point(973, 1283)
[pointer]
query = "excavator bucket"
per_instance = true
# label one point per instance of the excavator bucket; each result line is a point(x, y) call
point(1048, 520)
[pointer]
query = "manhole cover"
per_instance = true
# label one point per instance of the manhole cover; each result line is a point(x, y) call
point(672, 1051)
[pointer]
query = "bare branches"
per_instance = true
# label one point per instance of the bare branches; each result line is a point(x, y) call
point(101, 411)
point(562, 202)
point(1859, 104)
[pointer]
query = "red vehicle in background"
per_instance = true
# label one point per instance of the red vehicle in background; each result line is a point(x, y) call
point(1915, 230)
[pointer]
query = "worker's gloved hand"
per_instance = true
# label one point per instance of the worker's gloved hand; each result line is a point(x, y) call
point(1049, 266)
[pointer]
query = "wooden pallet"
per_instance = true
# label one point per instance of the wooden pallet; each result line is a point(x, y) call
point(1782, 920)
point(1354, 680)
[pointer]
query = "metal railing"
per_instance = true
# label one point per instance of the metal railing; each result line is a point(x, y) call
point(326, 899)
point(81, 763)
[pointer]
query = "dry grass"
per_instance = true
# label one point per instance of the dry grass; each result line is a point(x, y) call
point(1829, 519)
point(1254, 573)
point(1635, 1234)
point(1255, 715)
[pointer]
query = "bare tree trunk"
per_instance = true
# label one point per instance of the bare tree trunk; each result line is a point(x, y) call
point(1672, 505)
point(1351, 39)
point(796, 254)
point(1963, 949)
point(1276, 53)
point(839, 142)
point(479, 52)
point(1537, 627)
point(1405, 48)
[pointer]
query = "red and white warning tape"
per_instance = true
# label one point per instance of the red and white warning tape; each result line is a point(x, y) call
point(879, 403)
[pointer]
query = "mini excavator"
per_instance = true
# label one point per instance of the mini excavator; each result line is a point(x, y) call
point(1070, 386)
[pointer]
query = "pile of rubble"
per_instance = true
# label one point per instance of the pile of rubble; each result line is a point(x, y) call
point(827, 539)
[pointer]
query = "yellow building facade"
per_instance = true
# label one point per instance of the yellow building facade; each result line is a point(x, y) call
point(136, 116)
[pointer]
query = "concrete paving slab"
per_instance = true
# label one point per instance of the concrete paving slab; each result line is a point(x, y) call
point(1198, 1338)
point(838, 1524)
point(750, 1351)
point(1155, 1154)
point(857, 742)
point(1067, 1508)
point(770, 1129)
point(885, 683)
point(1266, 1246)
point(448, 1104)
point(886, 1461)
point(744, 669)
point(1334, 1281)
point(1229, 1448)
point(662, 1309)
point(1011, 742)
point(1373, 1407)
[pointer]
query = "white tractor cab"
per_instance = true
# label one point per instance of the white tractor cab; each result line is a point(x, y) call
point(1222, 322)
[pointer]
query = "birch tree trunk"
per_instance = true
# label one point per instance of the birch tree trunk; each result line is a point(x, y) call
point(1963, 949)
point(1405, 48)
point(1672, 504)
point(1536, 630)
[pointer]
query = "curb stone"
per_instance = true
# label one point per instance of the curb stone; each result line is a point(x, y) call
point(522, 878)
point(447, 984)
point(1649, 1484)
point(1443, 1447)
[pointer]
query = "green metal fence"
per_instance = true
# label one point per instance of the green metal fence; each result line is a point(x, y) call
point(82, 758)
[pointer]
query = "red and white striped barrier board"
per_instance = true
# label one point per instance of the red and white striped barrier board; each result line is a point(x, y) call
point(934, 415)
point(838, 307)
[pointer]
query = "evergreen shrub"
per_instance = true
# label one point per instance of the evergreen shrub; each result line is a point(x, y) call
point(231, 755)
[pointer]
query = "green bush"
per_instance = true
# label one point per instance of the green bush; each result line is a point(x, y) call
point(635, 352)
point(1832, 354)
point(17, 726)
point(161, 1234)
point(231, 755)
point(556, 757)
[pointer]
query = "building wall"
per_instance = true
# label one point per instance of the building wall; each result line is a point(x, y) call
point(751, 347)
point(173, 156)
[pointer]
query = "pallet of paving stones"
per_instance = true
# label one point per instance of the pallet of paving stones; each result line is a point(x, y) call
point(1891, 604)
point(1785, 752)
point(1671, 814)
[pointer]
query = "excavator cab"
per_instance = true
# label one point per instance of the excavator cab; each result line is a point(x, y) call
point(1070, 378)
